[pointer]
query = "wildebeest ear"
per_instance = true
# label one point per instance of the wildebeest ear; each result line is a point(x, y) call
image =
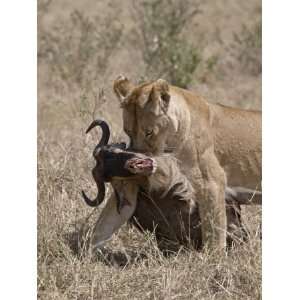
point(122, 87)
point(161, 87)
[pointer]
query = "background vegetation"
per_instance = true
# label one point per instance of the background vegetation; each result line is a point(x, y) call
point(211, 48)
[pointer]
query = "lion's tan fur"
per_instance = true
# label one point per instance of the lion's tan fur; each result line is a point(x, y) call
point(217, 145)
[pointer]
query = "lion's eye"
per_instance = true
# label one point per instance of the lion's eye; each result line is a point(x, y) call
point(148, 132)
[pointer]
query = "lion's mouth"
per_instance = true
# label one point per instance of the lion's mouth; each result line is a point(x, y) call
point(142, 166)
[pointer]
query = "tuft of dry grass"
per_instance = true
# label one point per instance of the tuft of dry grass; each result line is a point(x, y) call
point(131, 267)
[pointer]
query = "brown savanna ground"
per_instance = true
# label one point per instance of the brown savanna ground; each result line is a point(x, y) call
point(83, 46)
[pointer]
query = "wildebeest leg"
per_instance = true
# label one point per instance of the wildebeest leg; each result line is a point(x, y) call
point(236, 232)
point(244, 196)
point(235, 197)
point(111, 220)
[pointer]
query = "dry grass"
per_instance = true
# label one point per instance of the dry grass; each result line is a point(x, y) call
point(132, 268)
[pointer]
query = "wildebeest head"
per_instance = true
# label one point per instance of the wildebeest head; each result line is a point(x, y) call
point(114, 161)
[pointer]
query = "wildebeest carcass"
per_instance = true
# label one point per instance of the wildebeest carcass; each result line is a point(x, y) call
point(152, 194)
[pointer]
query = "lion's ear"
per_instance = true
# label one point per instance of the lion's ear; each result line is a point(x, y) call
point(162, 85)
point(122, 87)
point(159, 97)
point(162, 88)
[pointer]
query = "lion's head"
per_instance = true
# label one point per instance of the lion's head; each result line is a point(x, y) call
point(145, 113)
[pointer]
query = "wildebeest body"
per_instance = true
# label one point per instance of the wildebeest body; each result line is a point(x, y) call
point(170, 218)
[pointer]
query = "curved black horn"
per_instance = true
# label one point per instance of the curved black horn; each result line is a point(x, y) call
point(105, 131)
point(97, 171)
point(101, 190)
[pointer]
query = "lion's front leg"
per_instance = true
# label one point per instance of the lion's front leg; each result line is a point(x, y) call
point(111, 219)
point(210, 190)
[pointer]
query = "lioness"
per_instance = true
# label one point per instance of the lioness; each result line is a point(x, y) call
point(216, 145)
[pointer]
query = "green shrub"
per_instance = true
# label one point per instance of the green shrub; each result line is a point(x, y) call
point(166, 50)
